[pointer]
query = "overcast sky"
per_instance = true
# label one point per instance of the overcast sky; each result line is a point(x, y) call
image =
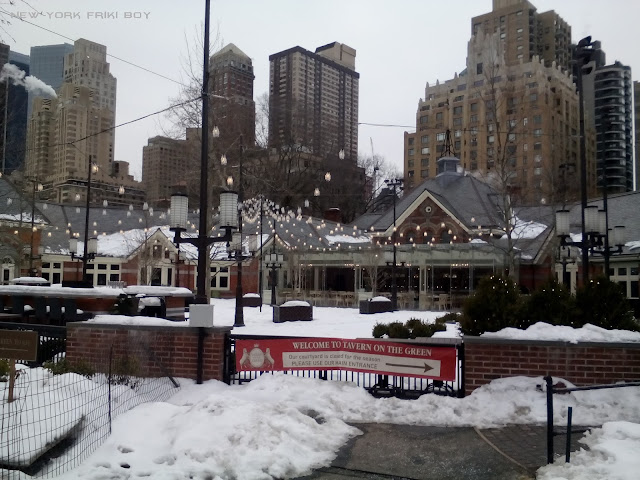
point(400, 44)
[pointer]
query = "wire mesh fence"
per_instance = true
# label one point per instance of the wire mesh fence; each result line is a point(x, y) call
point(62, 411)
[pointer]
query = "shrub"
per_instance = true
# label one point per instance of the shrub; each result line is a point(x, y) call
point(413, 328)
point(4, 370)
point(380, 330)
point(551, 303)
point(398, 330)
point(124, 370)
point(603, 303)
point(64, 366)
point(494, 305)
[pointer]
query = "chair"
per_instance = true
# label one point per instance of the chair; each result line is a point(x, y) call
point(443, 302)
point(17, 305)
point(41, 309)
point(70, 310)
point(55, 311)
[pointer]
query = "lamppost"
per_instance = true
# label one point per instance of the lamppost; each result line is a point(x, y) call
point(274, 262)
point(394, 184)
point(236, 252)
point(90, 247)
point(583, 54)
point(37, 187)
point(596, 239)
point(567, 257)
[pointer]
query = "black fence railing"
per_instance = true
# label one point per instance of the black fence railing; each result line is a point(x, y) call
point(551, 432)
point(378, 385)
point(63, 410)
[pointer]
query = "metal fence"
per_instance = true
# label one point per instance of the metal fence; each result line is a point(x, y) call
point(378, 385)
point(551, 431)
point(62, 412)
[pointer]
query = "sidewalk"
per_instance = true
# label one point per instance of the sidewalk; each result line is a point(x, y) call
point(406, 452)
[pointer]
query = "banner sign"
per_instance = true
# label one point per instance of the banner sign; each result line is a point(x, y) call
point(370, 356)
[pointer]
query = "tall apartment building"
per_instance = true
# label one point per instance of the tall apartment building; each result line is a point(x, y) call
point(231, 76)
point(526, 34)
point(517, 121)
point(167, 162)
point(46, 62)
point(67, 132)
point(609, 110)
point(4, 58)
point(313, 100)
point(636, 116)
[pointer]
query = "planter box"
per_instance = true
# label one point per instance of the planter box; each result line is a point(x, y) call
point(292, 313)
point(367, 307)
point(251, 301)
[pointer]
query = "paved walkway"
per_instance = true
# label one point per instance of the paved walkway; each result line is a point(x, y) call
point(406, 452)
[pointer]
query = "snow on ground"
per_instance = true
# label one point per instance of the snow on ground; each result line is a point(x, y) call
point(281, 426)
point(544, 331)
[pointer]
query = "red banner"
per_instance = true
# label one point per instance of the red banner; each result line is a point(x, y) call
point(371, 356)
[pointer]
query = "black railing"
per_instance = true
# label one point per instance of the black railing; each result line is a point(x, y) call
point(378, 385)
point(551, 432)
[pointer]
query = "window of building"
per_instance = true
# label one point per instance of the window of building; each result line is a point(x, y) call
point(459, 98)
point(410, 140)
point(425, 150)
point(411, 151)
point(457, 122)
point(220, 278)
point(474, 107)
point(537, 119)
point(537, 158)
point(490, 151)
point(410, 173)
point(457, 110)
point(537, 171)
point(410, 163)
point(457, 133)
point(511, 137)
point(424, 139)
point(440, 137)
point(424, 162)
point(533, 97)
point(424, 119)
point(490, 138)
point(439, 116)
point(479, 68)
point(537, 146)
point(537, 132)
point(424, 173)
point(473, 118)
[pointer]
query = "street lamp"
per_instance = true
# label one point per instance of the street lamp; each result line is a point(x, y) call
point(37, 187)
point(90, 248)
point(596, 237)
point(583, 54)
point(273, 263)
point(394, 184)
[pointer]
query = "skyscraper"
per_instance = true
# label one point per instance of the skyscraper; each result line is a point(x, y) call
point(46, 62)
point(512, 112)
point(526, 33)
point(313, 100)
point(68, 132)
point(232, 77)
point(18, 102)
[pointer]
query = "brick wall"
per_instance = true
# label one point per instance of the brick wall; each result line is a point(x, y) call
point(157, 349)
point(581, 364)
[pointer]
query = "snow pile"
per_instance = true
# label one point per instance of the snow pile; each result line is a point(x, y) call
point(544, 331)
point(281, 426)
point(613, 454)
point(379, 299)
point(296, 303)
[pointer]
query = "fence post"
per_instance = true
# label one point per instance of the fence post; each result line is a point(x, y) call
point(568, 446)
point(549, 382)
point(109, 384)
point(461, 371)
